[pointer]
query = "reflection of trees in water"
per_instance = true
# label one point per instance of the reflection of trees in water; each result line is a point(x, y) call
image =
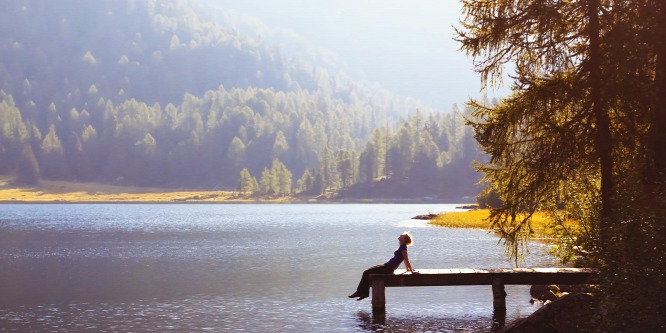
point(383, 322)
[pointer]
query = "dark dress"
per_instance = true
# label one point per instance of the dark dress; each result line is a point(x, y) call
point(363, 288)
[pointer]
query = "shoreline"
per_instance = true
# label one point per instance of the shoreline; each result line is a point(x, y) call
point(67, 192)
point(225, 202)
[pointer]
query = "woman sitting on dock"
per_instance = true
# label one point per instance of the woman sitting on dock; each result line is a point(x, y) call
point(399, 256)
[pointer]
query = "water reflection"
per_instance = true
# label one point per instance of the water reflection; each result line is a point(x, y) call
point(383, 322)
point(372, 321)
point(499, 319)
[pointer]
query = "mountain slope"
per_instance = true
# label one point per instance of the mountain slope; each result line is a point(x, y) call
point(150, 93)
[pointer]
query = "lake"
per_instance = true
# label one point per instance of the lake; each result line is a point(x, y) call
point(237, 268)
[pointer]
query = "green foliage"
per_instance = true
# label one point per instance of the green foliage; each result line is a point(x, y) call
point(247, 184)
point(551, 126)
point(283, 177)
point(346, 163)
point(277, 180)
point(582, 137)
point(310, 183)
point(13, 133)
point(574, 219)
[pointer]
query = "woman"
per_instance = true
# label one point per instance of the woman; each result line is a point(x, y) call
point(399, 256)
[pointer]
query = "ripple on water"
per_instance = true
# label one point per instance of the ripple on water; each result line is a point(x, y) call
point(157, 268)
point(238, 314)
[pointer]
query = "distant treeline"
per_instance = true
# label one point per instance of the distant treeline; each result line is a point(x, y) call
point(147, 93)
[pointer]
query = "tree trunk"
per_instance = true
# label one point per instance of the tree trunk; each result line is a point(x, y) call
point(655, 177)
point(603, 142)
point(657, 133)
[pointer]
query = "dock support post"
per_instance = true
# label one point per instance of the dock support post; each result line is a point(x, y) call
point(378, 296)
point(499, 295)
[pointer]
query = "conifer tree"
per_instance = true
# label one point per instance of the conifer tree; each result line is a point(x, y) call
point(555, 48)
point(247, 184)
point(305, 183)
point(282, 178)
point(267, 182)
point(581, 131)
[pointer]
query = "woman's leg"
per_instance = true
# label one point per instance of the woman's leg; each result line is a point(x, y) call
point(363, 289)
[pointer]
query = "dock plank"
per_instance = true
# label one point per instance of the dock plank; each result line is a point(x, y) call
point(467, 276)
point(495, 277)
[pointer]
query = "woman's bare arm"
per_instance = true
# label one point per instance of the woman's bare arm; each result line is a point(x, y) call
point(408, 266)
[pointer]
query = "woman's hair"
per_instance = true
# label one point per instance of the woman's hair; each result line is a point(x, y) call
point(409, 241)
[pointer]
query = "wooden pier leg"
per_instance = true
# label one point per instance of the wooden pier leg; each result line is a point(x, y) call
point(499, 295)
point(378, 296)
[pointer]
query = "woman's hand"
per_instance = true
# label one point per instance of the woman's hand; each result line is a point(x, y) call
point(408, 266)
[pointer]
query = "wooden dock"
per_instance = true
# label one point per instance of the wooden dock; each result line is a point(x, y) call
point(497, 278)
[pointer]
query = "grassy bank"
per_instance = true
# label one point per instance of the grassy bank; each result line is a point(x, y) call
point(478, 219)
point(63, 191)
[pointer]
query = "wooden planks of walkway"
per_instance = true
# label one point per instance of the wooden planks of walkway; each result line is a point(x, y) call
point(497, 278)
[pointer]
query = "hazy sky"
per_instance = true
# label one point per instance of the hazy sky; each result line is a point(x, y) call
point(405, 46)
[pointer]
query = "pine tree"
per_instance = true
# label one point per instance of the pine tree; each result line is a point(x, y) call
point(584, 130)
point(529, 136)
point(247, 184)
point(304, 184)
point(267, 182)
point(282, 178)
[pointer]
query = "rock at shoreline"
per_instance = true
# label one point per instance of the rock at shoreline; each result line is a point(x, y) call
point(424, 217)
point(544, 292)
point(563, 315)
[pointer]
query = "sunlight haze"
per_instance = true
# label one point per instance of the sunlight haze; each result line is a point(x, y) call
point(405, 47)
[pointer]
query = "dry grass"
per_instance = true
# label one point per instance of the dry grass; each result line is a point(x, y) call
point(469, 219)
point(63, 191)
point(479, 219)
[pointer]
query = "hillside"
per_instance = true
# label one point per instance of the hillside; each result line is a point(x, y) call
point(159, 93)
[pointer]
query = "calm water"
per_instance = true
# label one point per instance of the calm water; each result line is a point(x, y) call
point(252, 268)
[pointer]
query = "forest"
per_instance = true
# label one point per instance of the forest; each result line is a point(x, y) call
point(164, 94)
